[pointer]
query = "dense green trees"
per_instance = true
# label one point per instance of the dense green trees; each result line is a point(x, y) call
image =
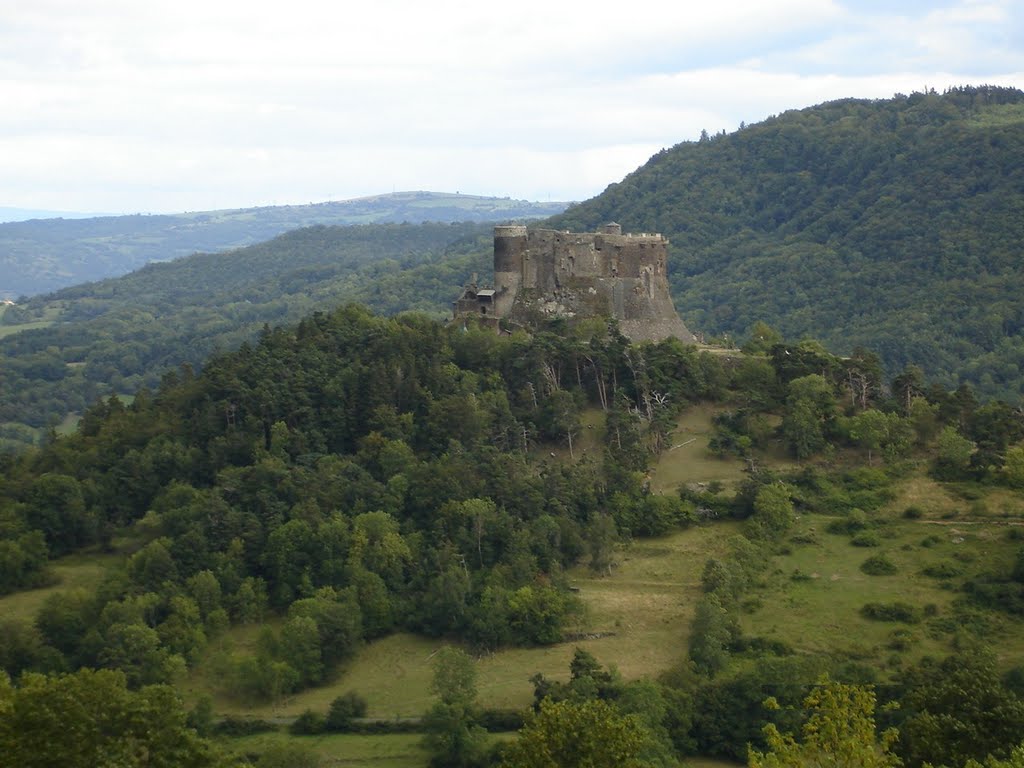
point(352, 477)
point(91, 718)
point(892, 224)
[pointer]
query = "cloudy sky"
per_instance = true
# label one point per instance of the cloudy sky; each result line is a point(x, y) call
point(160, 106)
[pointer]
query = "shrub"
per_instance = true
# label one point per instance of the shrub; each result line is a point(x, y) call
point(905, 612)
point(942, 570)
point(913, 513)
point(855, 521)
point(344, 709)
point(500, 720)
point(865, 539)
point(878, 565)
point(241, 726)
point(309, 723)
point(901, 640)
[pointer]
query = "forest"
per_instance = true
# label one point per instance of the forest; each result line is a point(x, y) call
point(116, 335)
point(892, 224)
point(354, 476)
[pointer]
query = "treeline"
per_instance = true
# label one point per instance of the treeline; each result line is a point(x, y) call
point(118, 335)
point(891, 224)
point(353, 475)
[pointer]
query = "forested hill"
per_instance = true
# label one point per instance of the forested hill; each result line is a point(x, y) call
point(116, 335)
point(895, 224)
point(44, 255)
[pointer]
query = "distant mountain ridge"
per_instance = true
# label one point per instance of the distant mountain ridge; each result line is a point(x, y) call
point(44, 255)
point(894, 224)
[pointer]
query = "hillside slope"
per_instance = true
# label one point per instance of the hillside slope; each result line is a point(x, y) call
point(44, 255)
point(115, 335)
point(895, 224)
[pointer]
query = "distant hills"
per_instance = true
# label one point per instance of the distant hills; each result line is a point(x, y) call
point(42, 255)
point(895, 224)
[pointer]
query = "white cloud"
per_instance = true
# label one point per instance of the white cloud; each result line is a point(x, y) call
point(123, 105)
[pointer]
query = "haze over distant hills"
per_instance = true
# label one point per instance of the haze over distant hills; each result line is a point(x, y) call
point(26, 214)
point(43, 255)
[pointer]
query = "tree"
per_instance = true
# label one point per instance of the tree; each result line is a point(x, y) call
point(90, 719)
point(453, 737)
point(840, 733)
point(773, 511)
point(810, 406)
point(344, 709)
point(577, 734)
point(713, 630)
point(959, 710)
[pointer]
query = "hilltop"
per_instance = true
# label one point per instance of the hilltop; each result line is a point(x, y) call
point(43, 255)
point(894, 224)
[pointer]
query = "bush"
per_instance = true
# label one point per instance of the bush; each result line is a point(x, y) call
point(905, 612)
point(878, 565)
point(865, 539)
point(309, 723)
point(941, 571)
point(344, 709)
point(500, 720)
point(242, 726)
point(855, 521)
point(901, 640)
point(913, 513)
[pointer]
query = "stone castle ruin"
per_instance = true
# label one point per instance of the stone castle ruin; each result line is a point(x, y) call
point(545, 273)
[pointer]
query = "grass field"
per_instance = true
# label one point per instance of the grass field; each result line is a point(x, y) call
point(637, 619)
point(73, 572)
point(50, 317)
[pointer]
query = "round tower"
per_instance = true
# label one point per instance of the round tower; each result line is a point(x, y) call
point(611, 228)
point(509, 248)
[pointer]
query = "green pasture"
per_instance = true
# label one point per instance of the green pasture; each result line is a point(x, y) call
point(687, 459)
point(815, 589)
point(72, 572)
point(637, 619)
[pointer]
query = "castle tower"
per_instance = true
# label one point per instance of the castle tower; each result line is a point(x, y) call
point(545, 273)
point(510, 254)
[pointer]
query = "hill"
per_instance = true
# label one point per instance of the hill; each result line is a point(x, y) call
point(895, 224)
point(315, 514)
point(62, 351)
point(43, 255)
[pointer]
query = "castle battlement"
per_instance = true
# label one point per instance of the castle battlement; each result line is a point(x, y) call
point(542, 273)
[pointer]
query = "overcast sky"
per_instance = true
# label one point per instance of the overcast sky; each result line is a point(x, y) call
point(160, 106)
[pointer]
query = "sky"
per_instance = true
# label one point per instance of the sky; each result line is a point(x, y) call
point(133, 106)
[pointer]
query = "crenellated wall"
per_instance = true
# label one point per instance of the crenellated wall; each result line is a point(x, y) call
point(546, 273)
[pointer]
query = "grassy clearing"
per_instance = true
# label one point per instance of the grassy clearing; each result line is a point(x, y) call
point(814, 593)
point(638, 620)
point(688, 460)
point(10, 330)
point(73, 572)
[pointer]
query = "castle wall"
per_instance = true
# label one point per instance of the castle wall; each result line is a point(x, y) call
point(546, 272)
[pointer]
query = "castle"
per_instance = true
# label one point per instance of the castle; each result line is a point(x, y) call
point(544, 273)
